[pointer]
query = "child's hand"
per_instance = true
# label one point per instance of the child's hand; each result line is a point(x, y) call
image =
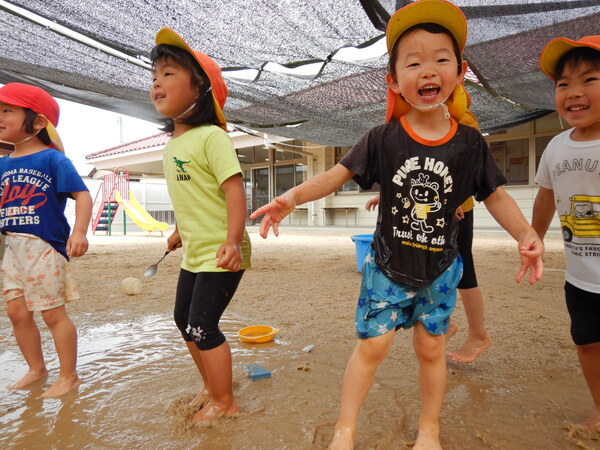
point(459, 213)
point(77, 244)
point(273, 212)
point(174, 241)
point(531, 249)
point(372, 203)
point(229, 256)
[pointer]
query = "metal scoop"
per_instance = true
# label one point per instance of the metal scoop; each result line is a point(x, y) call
point(151, 270)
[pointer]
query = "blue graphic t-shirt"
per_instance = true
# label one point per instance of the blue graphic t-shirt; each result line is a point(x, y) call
point(33, 195)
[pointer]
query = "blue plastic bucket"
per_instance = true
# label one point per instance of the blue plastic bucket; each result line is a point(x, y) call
point(362, 243)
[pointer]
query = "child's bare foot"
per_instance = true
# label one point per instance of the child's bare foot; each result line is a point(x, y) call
point(62, 386)
point(213, 410)
point(470, 350)
point(343, 439)
point(201, 399)
point(593, 423)
point(427, 440)
point(30, 377)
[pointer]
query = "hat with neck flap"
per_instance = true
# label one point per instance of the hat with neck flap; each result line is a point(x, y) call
point(39, 101)
point(209, 66)
point(440, 12)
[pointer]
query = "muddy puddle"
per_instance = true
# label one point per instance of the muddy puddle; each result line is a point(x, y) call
point(525, 392)
point(137, 380)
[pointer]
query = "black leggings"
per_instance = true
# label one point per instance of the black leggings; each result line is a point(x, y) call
point(465, 245)
point(200, 301)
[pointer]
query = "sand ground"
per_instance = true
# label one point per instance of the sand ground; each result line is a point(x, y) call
point(525, 392)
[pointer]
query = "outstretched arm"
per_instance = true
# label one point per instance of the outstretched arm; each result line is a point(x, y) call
point(506, 212)
point(318, 186)
point(543, 210)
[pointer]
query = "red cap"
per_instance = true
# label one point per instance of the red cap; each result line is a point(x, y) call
point(39, 101)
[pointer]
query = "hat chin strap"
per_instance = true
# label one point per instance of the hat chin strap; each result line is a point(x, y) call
point(428, 107)
point(192, 105)
point(26, 139)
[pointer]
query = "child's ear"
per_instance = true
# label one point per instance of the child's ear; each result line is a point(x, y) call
point(463, 69)
point(40, 122)
point(392, 83)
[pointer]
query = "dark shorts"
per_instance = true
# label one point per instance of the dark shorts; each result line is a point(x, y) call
point(465, 244)
point(584, 309)
point(200, 301)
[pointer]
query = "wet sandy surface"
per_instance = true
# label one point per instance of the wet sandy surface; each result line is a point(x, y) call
point(525, 392)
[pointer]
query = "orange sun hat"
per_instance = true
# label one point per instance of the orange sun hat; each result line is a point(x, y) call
point(440, 12)
point(211, 68)
point(556, 48)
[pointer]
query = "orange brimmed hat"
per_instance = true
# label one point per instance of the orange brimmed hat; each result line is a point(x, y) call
point(39, 101)
point(212, 70)
point(556, 48)
point(442, 13)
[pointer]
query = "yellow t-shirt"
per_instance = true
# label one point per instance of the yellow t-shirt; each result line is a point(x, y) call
point(195, 165)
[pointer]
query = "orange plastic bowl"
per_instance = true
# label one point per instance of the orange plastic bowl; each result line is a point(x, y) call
point(258, 333)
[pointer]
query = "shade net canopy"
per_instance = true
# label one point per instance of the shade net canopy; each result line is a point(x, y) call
point(286, 62)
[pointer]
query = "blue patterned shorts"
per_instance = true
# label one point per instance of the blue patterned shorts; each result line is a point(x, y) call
point(384, 305)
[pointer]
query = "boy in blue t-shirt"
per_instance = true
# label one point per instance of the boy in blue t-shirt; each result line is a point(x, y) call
point(36, 179)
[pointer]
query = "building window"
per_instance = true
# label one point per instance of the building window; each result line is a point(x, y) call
point(288, 176)
point(512, 158)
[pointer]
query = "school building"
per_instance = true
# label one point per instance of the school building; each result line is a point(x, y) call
point(273, 164)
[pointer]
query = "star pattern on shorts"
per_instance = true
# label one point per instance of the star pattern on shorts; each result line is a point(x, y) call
point(381, 304)
point(422, 300)
point(382, 329)
point(405, 219)
point(444, 307)
point(444, 288)
point(432, 327)
point(411, 293)
point(399, 195)
point(394, 316)
point(394, 210)
point(441, 222)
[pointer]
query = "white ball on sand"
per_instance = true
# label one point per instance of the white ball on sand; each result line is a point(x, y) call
point(131, 286)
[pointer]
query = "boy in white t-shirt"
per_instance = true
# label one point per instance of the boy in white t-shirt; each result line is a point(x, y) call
point(569, 181)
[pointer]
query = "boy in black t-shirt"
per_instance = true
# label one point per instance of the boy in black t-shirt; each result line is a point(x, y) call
point(427, 165)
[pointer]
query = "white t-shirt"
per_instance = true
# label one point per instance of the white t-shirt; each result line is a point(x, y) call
point(571, 169)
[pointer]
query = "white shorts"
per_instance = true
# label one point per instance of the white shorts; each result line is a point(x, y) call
point(33, 269)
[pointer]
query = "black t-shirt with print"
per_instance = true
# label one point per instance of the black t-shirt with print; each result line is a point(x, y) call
point(422, 184)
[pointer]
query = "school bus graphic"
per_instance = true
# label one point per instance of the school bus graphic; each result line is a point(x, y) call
point(583, 219)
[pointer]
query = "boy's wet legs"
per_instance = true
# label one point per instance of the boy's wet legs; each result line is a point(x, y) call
point(360, 371)
point(478, 339)
point(589, 359)
point(29, 341)
point(64, 334)
point(217, 363)
point(430, 350)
